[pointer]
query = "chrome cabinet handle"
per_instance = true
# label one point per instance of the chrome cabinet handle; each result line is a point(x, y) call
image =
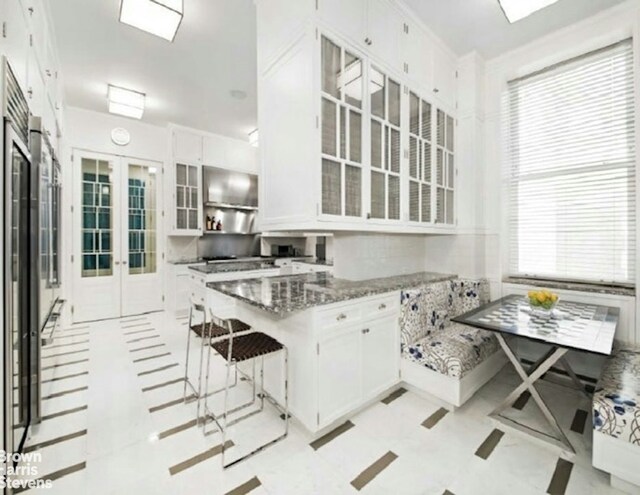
point(341, 316)
point(382, 306)
point(365, 330)
point(116, 263)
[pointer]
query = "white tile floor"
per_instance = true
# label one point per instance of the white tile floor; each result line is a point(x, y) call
point(123, 453)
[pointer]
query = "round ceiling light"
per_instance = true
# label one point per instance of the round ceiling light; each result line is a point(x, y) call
point(238, 94)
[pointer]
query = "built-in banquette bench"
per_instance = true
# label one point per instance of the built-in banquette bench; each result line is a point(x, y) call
point(446, 360)
point(616, 419)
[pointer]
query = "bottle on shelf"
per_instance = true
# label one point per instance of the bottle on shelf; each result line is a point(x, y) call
point(219, 225)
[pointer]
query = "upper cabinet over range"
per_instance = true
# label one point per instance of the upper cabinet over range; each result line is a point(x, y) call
point(356, 110)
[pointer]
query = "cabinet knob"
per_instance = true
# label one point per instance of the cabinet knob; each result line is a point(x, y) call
point(436, 90)
point(382, 306)
point(365, 330)
point(341, 316)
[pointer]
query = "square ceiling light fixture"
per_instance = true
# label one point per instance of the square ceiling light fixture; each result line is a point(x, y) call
point(126, 102)
point(159, 17)
point(519, 9)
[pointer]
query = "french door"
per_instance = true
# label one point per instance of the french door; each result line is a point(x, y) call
point(116, 223)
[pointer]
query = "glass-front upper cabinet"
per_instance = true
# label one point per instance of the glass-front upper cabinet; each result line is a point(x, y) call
point(384, 95)
point(420, 158)
point(187, 199)
point(341, 124)
point(445, 169)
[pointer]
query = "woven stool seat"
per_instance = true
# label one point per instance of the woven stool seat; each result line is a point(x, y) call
point(218, 331)
point(248, 346)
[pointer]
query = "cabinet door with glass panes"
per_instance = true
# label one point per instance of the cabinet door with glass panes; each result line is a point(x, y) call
point(445, 169)
point(420, 159)
point(187, 200)
point(385, 116)
point(341, 124)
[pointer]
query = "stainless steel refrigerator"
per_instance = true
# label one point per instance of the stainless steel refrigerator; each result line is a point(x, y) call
point(20, 331)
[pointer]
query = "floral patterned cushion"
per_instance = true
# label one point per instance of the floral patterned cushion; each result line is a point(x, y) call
point(468, 295)
point(616, 402)
point(453, 351)
point(417, 318)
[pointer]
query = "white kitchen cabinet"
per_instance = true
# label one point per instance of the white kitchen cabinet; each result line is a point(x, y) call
point(385, 26)
point(36, 93)
point(444, 78)
point(380, 356)
point(445, 176)
point(15, 42)
point(342, 106)
point(339, 373)
point(348, 18)
point(232, 154)
point(187, 199)
point(187, 146)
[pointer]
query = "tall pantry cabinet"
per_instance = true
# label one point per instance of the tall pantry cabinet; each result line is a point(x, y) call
point(357, 104)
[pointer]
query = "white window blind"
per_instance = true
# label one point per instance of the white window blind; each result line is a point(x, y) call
point(571, 149)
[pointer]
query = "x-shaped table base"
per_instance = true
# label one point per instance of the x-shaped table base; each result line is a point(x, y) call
point(529, 377)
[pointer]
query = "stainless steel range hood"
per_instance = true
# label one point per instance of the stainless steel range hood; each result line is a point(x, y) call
point(231, 198)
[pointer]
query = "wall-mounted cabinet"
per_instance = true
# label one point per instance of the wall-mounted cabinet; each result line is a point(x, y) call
point(357, 152)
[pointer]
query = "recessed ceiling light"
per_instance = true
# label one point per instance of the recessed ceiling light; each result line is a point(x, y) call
point(519, 9)
point(253, 138)
point(126, 102)
point(238, 94)
point(159, 17)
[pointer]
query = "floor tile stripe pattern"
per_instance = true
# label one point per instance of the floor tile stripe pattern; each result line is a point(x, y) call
point(333, 434)
point(394, 395)
point(207, 454)
point(54, 441)
point(374, 470)
point(59, 474)
point(522, 400)
point(490, 443)
point(245, 488)
point(433, 420)
point(560, 478)
point(579, 421)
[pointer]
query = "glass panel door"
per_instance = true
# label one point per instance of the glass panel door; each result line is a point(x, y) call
point(445, 169)
point(341, 122)
point(420, 149)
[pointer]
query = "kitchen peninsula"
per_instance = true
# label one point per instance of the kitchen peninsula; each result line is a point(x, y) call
point(342, 336)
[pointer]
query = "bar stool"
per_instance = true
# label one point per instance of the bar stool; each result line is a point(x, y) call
point(208, 331)
point(240, 348)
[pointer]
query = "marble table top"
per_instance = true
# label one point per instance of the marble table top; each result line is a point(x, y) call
point(584, 327)
point(290, 293)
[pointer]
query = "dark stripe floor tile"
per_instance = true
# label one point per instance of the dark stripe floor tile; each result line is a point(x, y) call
point(157, 370)
point(57, 346)
point(163, 384)
point(579, 421)
point(64, 413)
point(147, 347)
point(374, 470)
point(65, 377)
point(522, 400)
point(56, 475)
point(207, 454)
point(54, 441)
point(394, 395)
point(172, 403)
point(144, 330)
point(60, 365)
point(245, 488)
point(560, 478)
point(177, 429)
point(140, 339)
point(332, 435)
point(64, 392)
point(432, 420)
point(490, 443)
point(148, 358)
point(65, 353)
point(447, 492)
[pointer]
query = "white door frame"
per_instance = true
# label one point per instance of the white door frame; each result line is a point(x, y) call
point(97, 298)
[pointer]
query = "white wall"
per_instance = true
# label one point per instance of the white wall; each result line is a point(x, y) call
point(608, 27)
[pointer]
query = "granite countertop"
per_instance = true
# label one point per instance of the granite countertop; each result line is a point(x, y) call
point(289, 293)
point(233, 266)
point(314, 262)
point(186, 261)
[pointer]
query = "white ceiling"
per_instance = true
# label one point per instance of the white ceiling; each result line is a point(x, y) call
point(186, 82)
point(189, 81)
point(467, 25)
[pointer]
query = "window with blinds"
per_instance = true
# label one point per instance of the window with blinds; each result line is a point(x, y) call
point(571, 149)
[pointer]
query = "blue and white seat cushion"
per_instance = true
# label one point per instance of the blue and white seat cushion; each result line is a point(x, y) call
point(616, 402)
point(468, 295)
point(422, 311)
point(453, 351)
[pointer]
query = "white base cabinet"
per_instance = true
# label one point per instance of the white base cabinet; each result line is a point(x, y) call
point(341, 356)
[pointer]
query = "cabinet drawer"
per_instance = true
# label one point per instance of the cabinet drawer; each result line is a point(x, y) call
point(381, 306)
point(340, 316)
